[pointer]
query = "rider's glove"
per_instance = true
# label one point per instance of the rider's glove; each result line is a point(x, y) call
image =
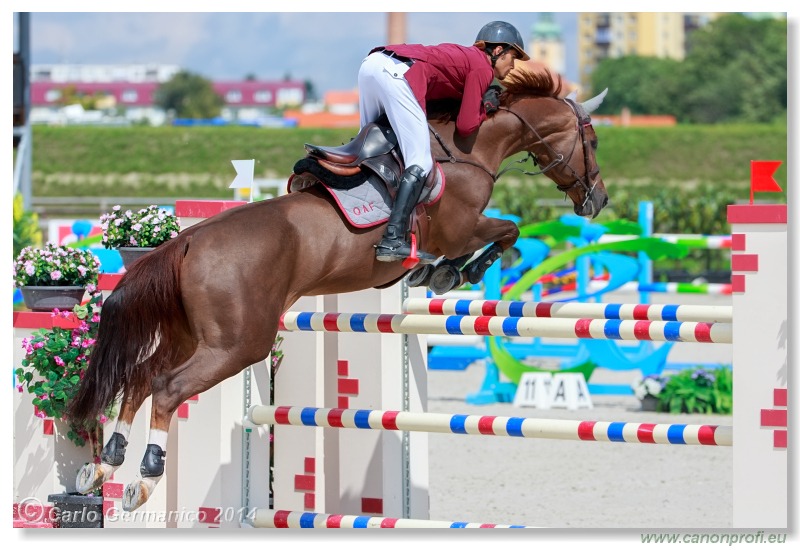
point(491, 99)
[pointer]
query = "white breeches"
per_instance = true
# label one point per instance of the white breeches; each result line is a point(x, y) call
point(383, 88)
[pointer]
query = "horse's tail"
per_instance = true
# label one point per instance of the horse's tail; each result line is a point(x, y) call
point(138, 334)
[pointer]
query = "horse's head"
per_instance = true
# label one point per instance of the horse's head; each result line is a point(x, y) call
point(560, 138)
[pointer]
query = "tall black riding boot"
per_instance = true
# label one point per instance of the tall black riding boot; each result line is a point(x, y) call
point(394, 245)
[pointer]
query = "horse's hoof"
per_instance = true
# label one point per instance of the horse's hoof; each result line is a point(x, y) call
point(90, 477)
point(444, 279)
point(136, 494)
point(420, 276)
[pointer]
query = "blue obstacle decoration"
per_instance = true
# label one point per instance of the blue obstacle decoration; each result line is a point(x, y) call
point(621, 270)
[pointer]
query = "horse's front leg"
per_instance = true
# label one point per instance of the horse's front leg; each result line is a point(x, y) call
point(500, 234)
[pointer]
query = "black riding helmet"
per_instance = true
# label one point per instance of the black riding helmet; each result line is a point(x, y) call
point(500, 32)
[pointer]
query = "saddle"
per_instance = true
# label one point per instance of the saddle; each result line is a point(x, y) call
point(372, 158)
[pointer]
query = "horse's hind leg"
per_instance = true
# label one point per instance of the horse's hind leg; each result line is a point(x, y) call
point(203, 370)
point(92, 476)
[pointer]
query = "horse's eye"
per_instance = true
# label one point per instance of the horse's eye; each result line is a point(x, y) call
point(593, 143)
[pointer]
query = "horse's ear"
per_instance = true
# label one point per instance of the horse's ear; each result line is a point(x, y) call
point(591, 104)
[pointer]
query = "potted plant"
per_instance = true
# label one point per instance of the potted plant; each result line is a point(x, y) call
point(698, 390)
point(648, 389)
point(55, 276)
point(54, 364)
point(134, 234)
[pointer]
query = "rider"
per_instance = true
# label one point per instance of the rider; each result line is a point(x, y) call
point(398, 79)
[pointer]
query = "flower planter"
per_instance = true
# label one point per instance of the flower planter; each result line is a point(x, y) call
point(47, 298)
point(649, 403)
point(74, 510)
point(130, 254)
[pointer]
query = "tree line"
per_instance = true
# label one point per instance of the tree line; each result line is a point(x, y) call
point(735, 70)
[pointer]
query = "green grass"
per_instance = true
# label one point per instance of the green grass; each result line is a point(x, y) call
point(195, 162)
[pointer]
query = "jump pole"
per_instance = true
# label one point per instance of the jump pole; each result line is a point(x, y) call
point(508, 426)
point(664, 331)
point(282, 519)
point(569, 310)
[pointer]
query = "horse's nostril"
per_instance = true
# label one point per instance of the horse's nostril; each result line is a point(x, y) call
point(605, 202)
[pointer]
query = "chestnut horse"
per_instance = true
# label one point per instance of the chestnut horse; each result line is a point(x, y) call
point(205, 305)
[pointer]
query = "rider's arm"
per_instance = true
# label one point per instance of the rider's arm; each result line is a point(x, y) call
point(472, 113)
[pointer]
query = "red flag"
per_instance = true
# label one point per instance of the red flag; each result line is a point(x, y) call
point(761, 172)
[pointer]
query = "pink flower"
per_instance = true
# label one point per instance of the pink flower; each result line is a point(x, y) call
point(55, 275)
point(59, 361)
point(38, 345)
point(103, 419)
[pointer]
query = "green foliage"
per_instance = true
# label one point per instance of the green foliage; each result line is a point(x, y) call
point(735, 69)
point(26, 227)
point(54, 364)
point(189, 95)
point(642, 84)
point(149, 226)
point(698, 391)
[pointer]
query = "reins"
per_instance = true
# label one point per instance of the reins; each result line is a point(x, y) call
point(558, 158)
point(452, 159)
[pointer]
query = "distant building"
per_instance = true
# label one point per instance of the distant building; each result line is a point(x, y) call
point(102, 73)
point(655, 34)
point(547, 43)
point(129, 90)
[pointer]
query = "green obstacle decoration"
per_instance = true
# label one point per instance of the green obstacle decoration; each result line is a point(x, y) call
point(656, 249)
point(513, 369)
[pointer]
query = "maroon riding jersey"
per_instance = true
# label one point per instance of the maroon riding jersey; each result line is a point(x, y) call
point(448, 71)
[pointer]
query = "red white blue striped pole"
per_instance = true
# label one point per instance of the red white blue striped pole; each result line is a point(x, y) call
point(283, 519)
point(605, 329)
point(537, 428)
point(632, 312)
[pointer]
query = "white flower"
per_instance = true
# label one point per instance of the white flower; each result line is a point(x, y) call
point(652, 386)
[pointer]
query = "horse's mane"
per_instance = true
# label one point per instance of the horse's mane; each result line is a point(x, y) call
point(520, 83)
point(526, 83)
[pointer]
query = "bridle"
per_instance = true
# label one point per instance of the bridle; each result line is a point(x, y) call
point(585, 182)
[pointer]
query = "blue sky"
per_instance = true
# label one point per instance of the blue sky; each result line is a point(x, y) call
point(323, 47)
